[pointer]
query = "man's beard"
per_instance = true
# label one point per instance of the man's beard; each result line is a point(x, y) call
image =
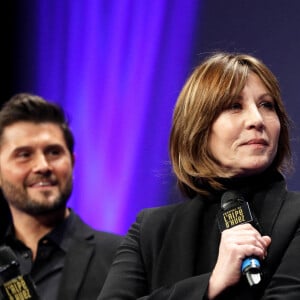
point(19, 198)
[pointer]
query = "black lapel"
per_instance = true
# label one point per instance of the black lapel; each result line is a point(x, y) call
point(272, 204)
point(75, 268)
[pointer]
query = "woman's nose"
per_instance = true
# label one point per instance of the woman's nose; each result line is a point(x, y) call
point(254, 118)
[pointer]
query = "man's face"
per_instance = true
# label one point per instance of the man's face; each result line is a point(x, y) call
point(36, 167)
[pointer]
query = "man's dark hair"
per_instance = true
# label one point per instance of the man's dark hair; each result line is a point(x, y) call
point(32, 108)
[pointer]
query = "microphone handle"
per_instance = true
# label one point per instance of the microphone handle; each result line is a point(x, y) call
point(251, 269)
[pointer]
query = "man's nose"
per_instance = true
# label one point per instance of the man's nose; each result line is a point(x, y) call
point(41, 163)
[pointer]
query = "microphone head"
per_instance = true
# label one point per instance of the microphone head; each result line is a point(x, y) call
point(230, 198)
point(7, 258)
point(234, 210)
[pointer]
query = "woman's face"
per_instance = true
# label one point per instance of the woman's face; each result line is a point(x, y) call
point(244, 137)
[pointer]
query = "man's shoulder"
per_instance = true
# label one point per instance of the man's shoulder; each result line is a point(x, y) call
point(83, 230)
point(107, 237)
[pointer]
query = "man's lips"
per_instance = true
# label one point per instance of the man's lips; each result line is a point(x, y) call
point(42, 183)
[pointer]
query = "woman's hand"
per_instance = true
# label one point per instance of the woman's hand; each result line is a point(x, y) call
point(236, 244)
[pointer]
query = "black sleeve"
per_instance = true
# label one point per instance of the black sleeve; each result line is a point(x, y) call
point(285, 282)
point(128, 279)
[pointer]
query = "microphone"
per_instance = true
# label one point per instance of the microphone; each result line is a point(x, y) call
point(14, 285)
point(234, 211)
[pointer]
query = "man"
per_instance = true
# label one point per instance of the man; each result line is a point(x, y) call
point(65, 258)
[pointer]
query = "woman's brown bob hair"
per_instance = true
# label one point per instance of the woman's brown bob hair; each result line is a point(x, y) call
point(212, 87)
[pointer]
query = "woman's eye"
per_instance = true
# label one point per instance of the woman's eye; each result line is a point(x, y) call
point(235, 106)
point(268, 104)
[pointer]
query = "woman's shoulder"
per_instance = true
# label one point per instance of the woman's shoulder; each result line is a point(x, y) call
point(293, 199)
point(165, 212)
point(169, 216)
point(294, 195)
point(289, 212)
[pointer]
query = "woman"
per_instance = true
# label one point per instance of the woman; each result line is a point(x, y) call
point(230, 131)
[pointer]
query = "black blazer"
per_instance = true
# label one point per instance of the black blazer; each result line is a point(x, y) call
point(156, 259)
point(87, 262)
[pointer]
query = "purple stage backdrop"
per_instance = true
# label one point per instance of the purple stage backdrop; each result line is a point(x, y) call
point(117, 68)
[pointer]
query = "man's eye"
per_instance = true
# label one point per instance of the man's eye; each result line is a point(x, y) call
point(23, 154)
point(54, 151)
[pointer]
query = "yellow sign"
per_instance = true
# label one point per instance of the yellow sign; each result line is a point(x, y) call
point(17, 289)
point(234, 217)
